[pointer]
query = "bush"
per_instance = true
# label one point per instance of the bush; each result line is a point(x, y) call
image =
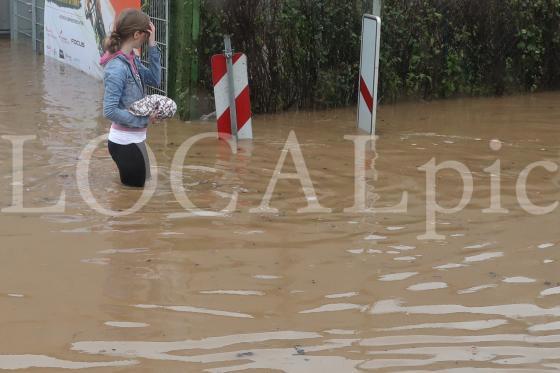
point(305, 53)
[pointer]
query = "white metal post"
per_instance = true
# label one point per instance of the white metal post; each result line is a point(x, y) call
point(34, 24)
point(14, 25)
point(377, 6)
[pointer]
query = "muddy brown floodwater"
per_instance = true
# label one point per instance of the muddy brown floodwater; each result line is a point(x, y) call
point(159, 291)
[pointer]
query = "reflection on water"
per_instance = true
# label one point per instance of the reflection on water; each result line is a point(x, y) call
point(168, 290)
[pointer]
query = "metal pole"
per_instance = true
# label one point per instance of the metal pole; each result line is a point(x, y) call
point(377, 6)
point(34, 24)
point(232, 108)
point(195, 32)
point(14, 25)
point(166, 81)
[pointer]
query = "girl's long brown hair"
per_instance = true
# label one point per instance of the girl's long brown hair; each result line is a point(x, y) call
point(128, 22)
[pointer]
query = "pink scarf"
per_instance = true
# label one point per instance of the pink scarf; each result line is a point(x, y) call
point(109, 56)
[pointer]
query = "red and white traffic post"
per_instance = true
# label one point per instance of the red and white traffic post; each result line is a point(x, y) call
point(369, 73)
point(231, 94)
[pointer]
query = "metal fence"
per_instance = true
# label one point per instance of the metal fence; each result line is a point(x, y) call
point(39, 20)
point(158, 10)
point(27, 21)
point(21, 19)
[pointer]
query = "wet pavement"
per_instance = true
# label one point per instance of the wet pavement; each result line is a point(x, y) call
point(164, 290)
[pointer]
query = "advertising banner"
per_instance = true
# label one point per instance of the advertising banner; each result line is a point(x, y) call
point(75, 30)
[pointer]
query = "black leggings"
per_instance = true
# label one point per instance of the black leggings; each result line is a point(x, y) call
point(132, 161)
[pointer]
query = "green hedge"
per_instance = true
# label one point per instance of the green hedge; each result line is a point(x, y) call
point(305, 53)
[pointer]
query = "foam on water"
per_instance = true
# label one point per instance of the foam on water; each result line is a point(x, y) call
point(335, 307)
point(342, 295)
point(397, 276)
point(232, 292)
point(191, 309)
point(374, 237)
point(483, 257)
point(427, 286)
point(126, 324)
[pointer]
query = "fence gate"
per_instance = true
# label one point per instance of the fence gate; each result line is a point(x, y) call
point(158, 10)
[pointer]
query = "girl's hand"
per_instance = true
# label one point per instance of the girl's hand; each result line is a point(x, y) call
point(152, 38)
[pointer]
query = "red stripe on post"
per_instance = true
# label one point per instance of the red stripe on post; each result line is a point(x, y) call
point(243, 107)
point(236, 56)
point(366, 94)
point(243, 110)
point(219, 68)
point(224, 122)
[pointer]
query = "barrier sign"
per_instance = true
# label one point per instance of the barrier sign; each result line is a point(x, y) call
point(240, 80)
point(369, 73)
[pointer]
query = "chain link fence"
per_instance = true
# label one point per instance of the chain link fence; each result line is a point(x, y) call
point(158, 10)
point(27, 21)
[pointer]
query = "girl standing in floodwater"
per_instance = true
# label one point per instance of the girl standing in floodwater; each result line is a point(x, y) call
point(125, 82)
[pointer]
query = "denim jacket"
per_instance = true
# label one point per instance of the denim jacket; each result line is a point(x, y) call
point(122, 88)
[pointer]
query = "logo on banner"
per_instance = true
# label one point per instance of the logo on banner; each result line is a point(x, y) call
point(62, 38)
point(72, 4)
point(78, 43)
point(71, 20)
